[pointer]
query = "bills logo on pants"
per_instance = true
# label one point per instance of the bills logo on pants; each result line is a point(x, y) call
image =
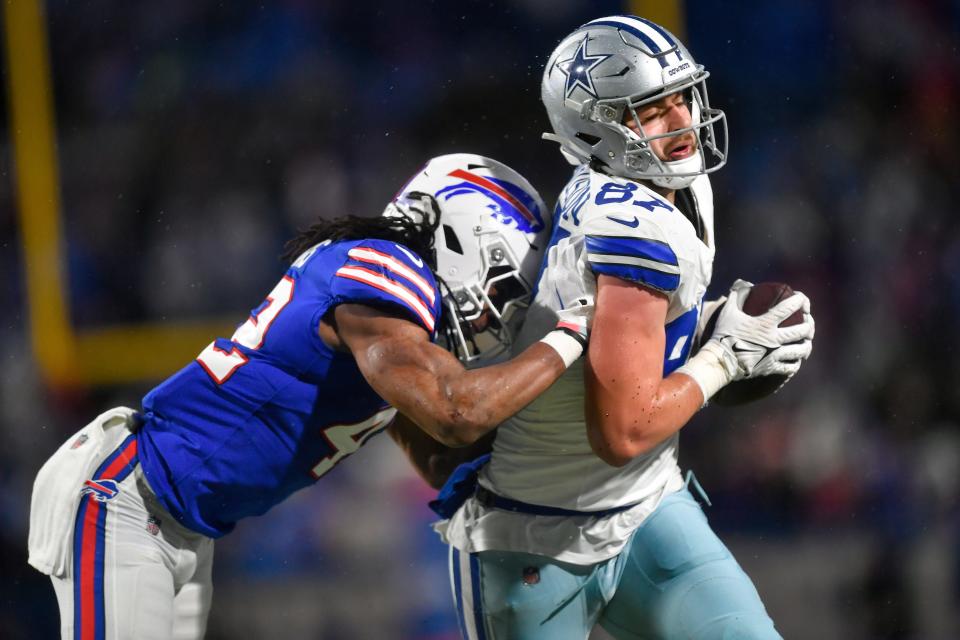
point(89, 534)
point(100, 490)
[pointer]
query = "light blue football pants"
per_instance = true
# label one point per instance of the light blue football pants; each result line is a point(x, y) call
point(674, 579)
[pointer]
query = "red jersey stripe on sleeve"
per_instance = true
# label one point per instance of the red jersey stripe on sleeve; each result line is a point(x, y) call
point(366, 254)
point(395, 289)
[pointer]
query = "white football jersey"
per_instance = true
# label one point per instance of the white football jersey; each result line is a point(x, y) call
point(611, 225)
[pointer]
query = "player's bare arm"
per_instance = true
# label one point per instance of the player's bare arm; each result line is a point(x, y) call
point(630, 407)
point(433, 461)
point(454, 405)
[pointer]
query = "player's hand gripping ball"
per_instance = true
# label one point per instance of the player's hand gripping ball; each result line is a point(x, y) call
point(761, 298)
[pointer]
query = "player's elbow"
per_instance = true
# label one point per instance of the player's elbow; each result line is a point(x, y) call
point(456, 429)
point(612, 456)
point(617, 444)
point(621, 453)
point(452, 437)
point(617, 453)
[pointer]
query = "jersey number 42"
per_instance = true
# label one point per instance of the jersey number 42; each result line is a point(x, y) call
point(221, 364)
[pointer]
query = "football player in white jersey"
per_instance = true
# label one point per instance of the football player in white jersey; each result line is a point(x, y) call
point(581, 517)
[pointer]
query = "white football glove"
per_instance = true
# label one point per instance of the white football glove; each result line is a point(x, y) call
point(707, 310)
point(758, 344)
point(576, 287)
point(744, 346)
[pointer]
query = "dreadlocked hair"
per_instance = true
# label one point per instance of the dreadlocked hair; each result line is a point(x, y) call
point(414, 233)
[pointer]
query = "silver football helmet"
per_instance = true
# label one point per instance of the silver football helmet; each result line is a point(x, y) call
point(489, 244)
point(602, 73)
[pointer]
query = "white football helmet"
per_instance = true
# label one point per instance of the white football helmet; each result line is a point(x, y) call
point(489, 244)
point(602, 73)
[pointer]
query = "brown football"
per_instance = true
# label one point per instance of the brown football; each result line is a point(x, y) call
point(761, 298)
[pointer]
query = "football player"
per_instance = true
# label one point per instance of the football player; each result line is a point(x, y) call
point(125, 514)
point(581, 516)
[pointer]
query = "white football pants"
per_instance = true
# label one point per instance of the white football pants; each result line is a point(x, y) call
point(136, 574)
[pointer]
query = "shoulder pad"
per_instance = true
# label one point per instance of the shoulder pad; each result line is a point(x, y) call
point(379, 271)
point(625, 237)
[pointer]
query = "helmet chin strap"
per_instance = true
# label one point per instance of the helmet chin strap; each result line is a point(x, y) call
point(692, 165)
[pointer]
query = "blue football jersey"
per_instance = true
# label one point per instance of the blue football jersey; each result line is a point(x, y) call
point(272, 409)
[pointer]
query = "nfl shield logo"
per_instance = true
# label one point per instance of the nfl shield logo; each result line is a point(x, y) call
point(531, 576)
point(153, 525)
point(82, 438)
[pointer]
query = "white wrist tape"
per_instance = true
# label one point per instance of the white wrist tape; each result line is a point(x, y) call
point(566, 345)
point(708, 369)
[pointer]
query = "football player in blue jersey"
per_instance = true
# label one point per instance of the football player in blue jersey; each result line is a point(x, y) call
point(581, 516)
point(125, 514)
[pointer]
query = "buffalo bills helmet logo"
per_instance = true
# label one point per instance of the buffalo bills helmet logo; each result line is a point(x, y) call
point(509, 203)
point(100, 490)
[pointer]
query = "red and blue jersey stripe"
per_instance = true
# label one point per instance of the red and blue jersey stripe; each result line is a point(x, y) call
point(393, 277)
point(89, 620)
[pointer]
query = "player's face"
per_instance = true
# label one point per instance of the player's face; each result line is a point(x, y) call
point(482, 323)
point(667, 114)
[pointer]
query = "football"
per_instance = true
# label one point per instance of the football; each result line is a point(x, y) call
point(761, 298)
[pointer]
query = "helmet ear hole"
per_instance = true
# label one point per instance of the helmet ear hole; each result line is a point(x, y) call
point(450, 237)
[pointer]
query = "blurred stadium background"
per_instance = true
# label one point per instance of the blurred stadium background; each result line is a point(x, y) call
point(156, 155)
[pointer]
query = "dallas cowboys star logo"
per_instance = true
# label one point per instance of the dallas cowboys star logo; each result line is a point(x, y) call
point(577, 69)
